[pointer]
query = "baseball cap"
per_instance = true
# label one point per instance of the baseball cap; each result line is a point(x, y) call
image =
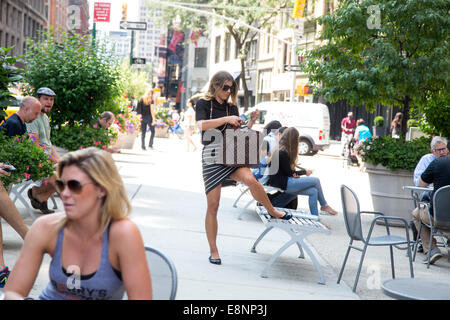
point(46, 91)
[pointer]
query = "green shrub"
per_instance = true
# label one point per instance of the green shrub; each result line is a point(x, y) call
point(412, 123)
point(378, 121)
point(394, 153)
point(86, 79)
point(9, 74)
point(30, 160)
point(79, 136)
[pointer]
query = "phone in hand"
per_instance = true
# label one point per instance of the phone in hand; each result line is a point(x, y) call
point(11, 169)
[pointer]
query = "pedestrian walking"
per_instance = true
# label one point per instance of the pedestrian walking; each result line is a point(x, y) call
point(213, 113)
point(189, 124)
point(348, 125)
point(396, 125)
point(146, 107)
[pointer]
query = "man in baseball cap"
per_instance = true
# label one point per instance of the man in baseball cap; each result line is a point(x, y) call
point(40, 131)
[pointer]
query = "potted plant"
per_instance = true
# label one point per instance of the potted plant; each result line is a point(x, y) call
point(128, 125)
point(31, 162)
point(163, 122)
point(390, 164)
point(378, 128)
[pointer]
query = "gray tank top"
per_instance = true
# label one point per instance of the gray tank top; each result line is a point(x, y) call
point(104, 284)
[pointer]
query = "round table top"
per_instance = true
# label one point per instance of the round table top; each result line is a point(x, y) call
point(417, 289)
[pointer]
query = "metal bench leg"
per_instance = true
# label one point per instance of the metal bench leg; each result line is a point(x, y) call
point(253, 249)
point(240, 196)
point(276, 255)
point(314, 260)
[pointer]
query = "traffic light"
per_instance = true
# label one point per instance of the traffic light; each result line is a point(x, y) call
point(124, 11)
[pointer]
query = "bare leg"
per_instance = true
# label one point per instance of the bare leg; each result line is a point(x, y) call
point(245, 176)
point(2, 261)
point(44, 192)
point(211, 225)
point(8, 211)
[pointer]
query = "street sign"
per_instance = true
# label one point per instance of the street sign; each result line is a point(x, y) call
point(291, 67)
point(138, 60)
point(130, 25)
point(102, 11)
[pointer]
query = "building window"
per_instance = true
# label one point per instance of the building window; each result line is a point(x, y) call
point(217, 53)
point(200, 57)
point(227, 46)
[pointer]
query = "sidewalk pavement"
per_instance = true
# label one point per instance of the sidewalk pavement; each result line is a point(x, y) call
point(166, 189)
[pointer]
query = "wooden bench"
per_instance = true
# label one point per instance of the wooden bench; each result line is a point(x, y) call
point(299, 227)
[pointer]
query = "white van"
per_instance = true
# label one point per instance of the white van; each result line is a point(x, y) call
point(312, 120)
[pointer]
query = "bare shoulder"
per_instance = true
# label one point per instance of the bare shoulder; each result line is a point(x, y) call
point(123, 228)
point(48, 223)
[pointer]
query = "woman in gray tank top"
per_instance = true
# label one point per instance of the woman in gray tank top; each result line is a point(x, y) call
point(88, 241)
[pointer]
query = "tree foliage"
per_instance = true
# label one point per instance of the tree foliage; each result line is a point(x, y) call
point(9, 75)
point(399, 63)
point(86, 78)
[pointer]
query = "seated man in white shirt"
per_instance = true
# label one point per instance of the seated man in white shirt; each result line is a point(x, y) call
point(438, 149)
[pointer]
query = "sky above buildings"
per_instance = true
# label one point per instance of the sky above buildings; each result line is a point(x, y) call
point(116, 14)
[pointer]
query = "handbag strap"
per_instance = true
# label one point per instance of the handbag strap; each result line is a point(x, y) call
point(210, 115)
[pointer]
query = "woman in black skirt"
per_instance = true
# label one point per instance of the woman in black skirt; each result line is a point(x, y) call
point(213, 113)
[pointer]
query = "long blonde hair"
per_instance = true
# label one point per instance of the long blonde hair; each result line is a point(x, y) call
point(217, 81)
point(148, 97)
point(99, 166)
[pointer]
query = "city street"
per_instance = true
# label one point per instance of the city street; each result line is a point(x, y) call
point(166, 189)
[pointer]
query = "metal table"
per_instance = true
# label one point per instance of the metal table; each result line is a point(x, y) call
point(416, 289)
point(416, 191)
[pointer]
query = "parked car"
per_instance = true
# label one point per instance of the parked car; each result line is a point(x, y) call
point(13, 106)
point(312, 120)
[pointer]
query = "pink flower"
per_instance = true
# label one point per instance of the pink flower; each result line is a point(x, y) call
point(45, 182)
point(103, 146)
point(40, 165)
point(28, 168)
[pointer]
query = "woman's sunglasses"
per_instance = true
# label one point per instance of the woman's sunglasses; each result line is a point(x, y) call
point(227, 87)
point(74, 186)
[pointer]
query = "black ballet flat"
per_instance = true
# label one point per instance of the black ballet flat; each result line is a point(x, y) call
point(286, 216)
point(215, 261)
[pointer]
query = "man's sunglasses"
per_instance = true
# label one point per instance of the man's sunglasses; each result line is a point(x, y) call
point(226, 88)
point(74, 186)
point(441, 149)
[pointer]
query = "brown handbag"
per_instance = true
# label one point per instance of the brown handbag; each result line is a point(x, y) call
point(241, 146)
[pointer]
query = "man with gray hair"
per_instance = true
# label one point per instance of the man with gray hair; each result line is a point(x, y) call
point(438, 149)
point(29, 110)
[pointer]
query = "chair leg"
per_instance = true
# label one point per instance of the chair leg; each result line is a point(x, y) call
point(392, 261)
point(345, 261)
point(418, 240)
point(359, 268)
point(429, 249)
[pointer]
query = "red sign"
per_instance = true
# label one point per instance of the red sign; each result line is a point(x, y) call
point(177, 37)
point(102, 11)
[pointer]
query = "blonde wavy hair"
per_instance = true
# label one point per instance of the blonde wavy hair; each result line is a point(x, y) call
point(148, 97)
point(217, 82)
point(99, 166)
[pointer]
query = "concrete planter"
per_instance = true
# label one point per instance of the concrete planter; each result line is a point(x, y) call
point(126, 141)
point(378, 131)
point(162, 132)
point(388, 196)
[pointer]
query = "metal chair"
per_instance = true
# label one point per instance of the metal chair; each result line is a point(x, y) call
point(163, 275)
point(439, 222)
point(352, 218)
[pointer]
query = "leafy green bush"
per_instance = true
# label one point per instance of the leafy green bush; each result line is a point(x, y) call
point(378, 121)
point(79, 136)
point(30, 160)
point(9, 74)
point(394, 153)
point(437, 114)
point(412, 123)
point(86, 79)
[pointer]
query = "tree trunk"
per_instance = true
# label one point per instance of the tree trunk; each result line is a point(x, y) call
point(405, 111)
point(244, 85)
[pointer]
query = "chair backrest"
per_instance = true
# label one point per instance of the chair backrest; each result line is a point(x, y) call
point(163, 275)
point(352, 218)
point(441, 208)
